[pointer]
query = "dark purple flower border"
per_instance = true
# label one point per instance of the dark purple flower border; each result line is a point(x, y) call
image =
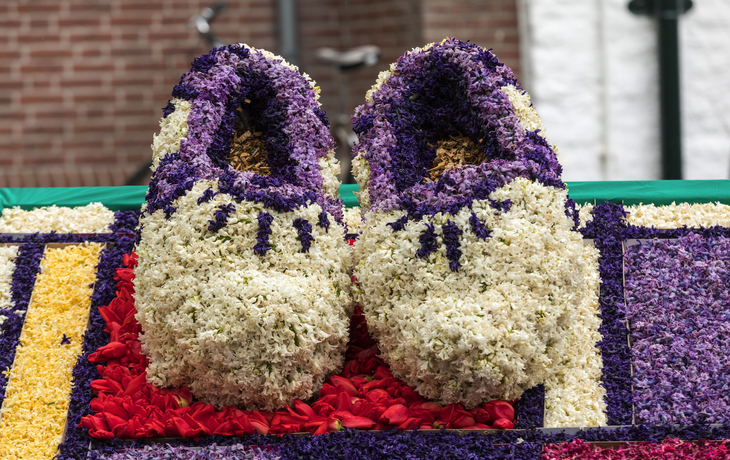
point(530, 409)
point(417, 445)
point(27, 266)
point(608, 231)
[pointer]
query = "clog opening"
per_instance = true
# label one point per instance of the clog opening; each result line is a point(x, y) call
point(248, 149)
point(454, 152)
point(436, 126)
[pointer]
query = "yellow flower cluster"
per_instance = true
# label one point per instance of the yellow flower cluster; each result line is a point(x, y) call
point(39, 388)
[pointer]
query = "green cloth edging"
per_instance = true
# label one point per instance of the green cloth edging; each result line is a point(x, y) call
point(629, 192)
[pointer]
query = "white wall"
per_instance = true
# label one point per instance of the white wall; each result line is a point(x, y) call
point(591, 69)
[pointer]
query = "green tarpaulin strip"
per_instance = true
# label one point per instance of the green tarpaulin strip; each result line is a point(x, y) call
point(628, 192)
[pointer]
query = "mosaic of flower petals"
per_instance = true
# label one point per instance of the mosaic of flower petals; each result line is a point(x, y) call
point(678, 308)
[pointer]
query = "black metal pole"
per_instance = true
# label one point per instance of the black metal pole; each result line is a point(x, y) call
point(287, 24)
point(667, 15)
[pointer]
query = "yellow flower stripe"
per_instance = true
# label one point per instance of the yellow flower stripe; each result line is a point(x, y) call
point(39, 388)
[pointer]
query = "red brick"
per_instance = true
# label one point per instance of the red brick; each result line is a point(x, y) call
point(131, 51)
point(40, 7)
point(106, 128)
point(79, 82)
point(46, 68)
point(9, 24)
point(144, 6)
point(94, 97)
point(55, 114)
point(170, 34)
point(76, 21)
point(137, 20)
point(49, 53)
point(93, 6)
point(10, 84)
point(90, 36)
point(91, 52)
point(41, 99)
point(36, 37)
point(86, 66)
point(85, 143)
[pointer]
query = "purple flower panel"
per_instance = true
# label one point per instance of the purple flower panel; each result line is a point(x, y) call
point(678, 309)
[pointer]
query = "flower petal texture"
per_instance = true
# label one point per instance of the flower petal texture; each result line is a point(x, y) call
point(677, 306)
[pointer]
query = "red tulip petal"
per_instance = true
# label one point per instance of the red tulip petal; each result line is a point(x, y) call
point(503, 424)
point(395, 415)
point(358, 422)
point(344, 383)
point(304, 409)
point(409, 424)
point(343, 402)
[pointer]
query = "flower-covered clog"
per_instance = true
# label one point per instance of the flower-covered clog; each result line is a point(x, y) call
point(242, 290)
point(468, 268)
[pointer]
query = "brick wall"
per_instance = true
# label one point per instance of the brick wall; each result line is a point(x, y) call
point(488, 23)
point(82, 81)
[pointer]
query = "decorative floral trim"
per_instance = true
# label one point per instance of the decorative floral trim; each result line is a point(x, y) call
point(40, 380)
point(7, 267)
point(428, 240)
point(478, 227)
point(220, 217)
point(210, 452)
point(262, 236)
point(530, 409)
point(669, 217)
point(585, 214)
point(679, 335)
point(323, 221)
point(92, 218)
point(195, 137)
point(173, 128)
point(415, 445)
point(607, 228)
point(451, 234)
point(679, 215)
point(491, 330)
point(399, 225)
point(304, 229)
point(125, 222)
point(574, 395)
point(27, 266)
point(669, 448)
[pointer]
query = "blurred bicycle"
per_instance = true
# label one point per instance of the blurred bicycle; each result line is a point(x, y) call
point(344, 62)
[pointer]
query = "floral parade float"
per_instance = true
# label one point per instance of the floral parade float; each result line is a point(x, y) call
point(222, 321)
